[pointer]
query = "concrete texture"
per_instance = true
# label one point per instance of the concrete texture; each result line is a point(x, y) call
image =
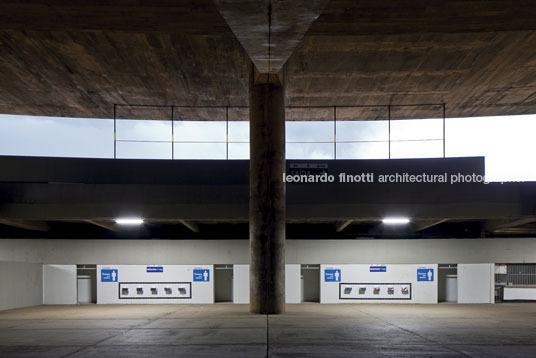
point(22, 284)
point(267, 204)
point(312, 330)
point(192, 252)
point(78, 58)
point(269, 30)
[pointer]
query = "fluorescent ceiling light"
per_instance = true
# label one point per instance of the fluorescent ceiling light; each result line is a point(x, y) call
point(395, 221)
point(129, 221)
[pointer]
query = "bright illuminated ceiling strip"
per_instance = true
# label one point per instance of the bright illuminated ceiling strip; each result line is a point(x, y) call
point(129, 221)
point(395, 221)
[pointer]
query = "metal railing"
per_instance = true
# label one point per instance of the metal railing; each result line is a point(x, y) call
point(517, 274)
point(333, 114)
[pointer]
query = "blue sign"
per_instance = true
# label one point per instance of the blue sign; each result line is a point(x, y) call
point(201, 275)
point(332, 275)
point(425, 274)
point(109, 275)
point(378, 268)
point(155, 268)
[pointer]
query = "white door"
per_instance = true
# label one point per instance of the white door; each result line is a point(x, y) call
point(476, 283)
point(451, 288)
point(84, 289)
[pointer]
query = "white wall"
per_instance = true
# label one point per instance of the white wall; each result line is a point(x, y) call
point(293, 283)
point(236, 252)
point(59, 284)
point(108, 292)
point(422, 292)
point(125, 252)
point(476, 283)
point(519, 293)
point(401, 251)
point(241, 283)
point(191, 252)
point(21, 285)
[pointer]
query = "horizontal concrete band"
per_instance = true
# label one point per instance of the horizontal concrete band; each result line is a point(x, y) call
point(297, 251)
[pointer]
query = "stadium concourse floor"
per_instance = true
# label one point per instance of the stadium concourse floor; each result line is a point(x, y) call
point(306, 330)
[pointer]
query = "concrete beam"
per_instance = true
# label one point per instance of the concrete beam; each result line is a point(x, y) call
point(497, 225)
point(34, 225)
point(270, 30)
point(202, 190)
point(425, 224)
point(104, 224)
point(342, 225)
point(190, 225)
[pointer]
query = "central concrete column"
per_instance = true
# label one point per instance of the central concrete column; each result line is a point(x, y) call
point(267, 193)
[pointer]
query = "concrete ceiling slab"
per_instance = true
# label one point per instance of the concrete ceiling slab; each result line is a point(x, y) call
point(270, 30)
point(79, 58)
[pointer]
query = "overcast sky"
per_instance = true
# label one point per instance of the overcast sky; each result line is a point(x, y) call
point(506, 142)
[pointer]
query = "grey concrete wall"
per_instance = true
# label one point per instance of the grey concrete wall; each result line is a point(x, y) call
point(59, 285)
point(298, 251)
point(21, 285)
point(126, 252)
point(412, 251)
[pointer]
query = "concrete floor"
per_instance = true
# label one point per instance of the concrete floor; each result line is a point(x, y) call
point(312, 330)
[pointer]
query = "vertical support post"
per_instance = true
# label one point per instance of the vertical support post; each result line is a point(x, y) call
point(115, 131)
point(267, 193)
point(389, 128)
point(444, 131)
point(334, 132)
point(172, 134)
point(227, 132)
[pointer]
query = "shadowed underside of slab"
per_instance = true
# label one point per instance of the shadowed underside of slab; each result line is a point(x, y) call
point(78, 58)
point(270, 30)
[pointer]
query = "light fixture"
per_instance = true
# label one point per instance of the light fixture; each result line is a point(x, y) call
point(129, 221)
point(395, 221)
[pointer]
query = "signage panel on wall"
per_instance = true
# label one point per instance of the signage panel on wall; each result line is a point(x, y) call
point(332, 275)
point(155, 268)
point(375, 291)
point(425, 274)
point(378, 268)
point(201, 275)
point(109, 275)
point(155, 290)
point(308, 168)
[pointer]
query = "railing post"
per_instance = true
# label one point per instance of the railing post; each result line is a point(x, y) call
point(334, 132)
point(389, 128)
point(227, 132)
point(444, 131)
point(115, 131)
point(172, 134)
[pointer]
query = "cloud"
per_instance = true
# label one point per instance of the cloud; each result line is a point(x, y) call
point(506, 142)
